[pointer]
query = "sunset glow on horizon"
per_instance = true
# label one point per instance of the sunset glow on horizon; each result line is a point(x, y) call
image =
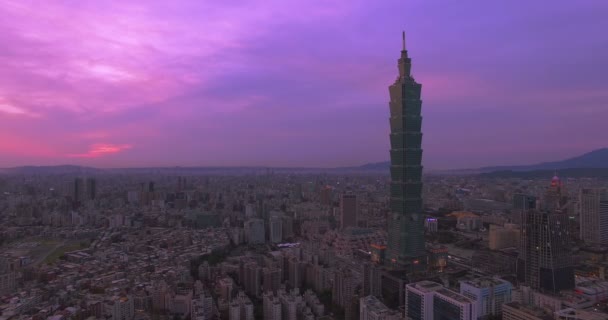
point(297, 83)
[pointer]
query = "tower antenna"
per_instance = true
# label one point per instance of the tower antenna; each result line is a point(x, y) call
point(403, 35)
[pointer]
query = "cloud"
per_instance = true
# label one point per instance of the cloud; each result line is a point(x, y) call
point(102, 149)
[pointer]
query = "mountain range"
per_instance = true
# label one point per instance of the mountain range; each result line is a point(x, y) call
point(597, 159)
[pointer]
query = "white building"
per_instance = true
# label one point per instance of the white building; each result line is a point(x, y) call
point(429, 300)
point(488, 294)
point(370, 308)
point(119, 308)
point(419, 299)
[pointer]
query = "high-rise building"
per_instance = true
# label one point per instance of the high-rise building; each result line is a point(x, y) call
point(254, 231)
point(120, 308)
point(276, 229)
point(555, 197)
point(287, 227)
point(252, 279)
point(544, 261)
point(271, 279)
point(419, 299)
point(240, 308)
point(348, 211)
point(91, 191)
point(271, 307)
point(78, 190)
point(325, 195)
point(343, 288)
point(593, 204)
point(522, 203)
point(406, 245)
point(426, 300)
point(488, 294)
point(372, 278)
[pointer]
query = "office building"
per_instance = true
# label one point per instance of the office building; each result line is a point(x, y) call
point(287, 227)
point(343, 288)
point(593, 208)
point(431, 225)
point(276, 229)
point(348, 211)
point(501, 237)
point(523, 202)
point(370, 308)
point(91, 190)
point(254, 231)
point(406, 246)
point(427, 300)
point(544, 261)
point(488, 294)
point(78, 191)
point(518, 311)
point(271, 278)
point(449, 305)
point(419, 299)
point(555, 197)
point(372, 277)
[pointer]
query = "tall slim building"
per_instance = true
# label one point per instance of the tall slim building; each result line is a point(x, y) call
point(276, 229)
point(406, 224)
point(593, 204)
point(348, 211)
point(91, 189)
point(78, 190)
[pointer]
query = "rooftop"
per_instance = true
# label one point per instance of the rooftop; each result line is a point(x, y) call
point(484, 282)
point(453, 295)
point(426, 286)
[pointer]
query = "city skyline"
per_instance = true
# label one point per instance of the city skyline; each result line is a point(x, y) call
point(141, 84)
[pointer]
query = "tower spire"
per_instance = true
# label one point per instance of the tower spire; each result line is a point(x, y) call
point(403, 37)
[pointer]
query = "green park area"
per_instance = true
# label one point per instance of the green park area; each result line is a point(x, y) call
point(60, 251)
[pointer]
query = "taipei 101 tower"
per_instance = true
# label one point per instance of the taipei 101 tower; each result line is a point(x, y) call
point(406, 245)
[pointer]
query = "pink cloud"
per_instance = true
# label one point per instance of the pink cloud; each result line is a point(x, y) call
point(102, 149)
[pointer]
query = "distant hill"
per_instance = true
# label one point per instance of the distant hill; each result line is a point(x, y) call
point(597, 159)
point(63, 169)
point(376, 166)
point(545, 174)
point(594, 159)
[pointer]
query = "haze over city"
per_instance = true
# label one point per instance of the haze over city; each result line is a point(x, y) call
point(303, 160)
point(281, 83)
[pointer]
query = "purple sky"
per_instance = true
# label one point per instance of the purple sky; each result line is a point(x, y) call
point(298, 83)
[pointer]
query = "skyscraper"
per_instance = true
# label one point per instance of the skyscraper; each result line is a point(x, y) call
point(406, 223)
point(594, 216)
point(91, 189)
point(544, 259)
point(78, 190)
point(348, 211)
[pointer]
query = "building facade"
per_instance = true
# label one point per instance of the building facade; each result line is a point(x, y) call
point(348, 211)
point(593, 208)
point(406, 246)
